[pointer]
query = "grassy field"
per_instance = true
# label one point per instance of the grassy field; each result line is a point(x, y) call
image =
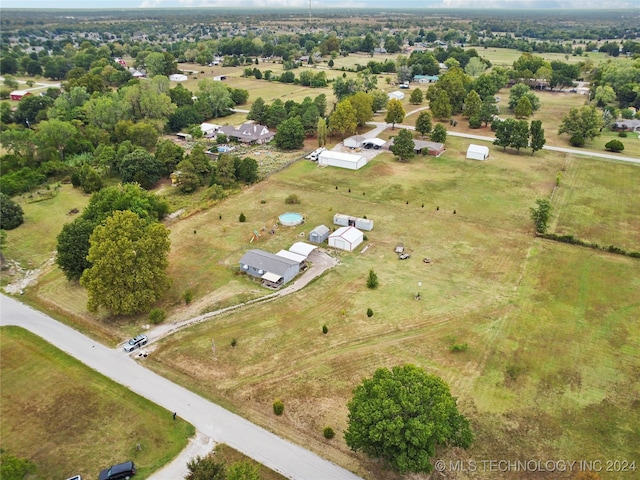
point(552, 364)
point(490, 283)
point(72, 420)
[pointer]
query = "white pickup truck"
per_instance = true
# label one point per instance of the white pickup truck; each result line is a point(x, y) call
point(313, 156)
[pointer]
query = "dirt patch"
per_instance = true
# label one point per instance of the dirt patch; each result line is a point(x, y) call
point(25, 278)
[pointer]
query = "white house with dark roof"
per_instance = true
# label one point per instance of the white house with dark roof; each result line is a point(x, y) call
point(274, 270)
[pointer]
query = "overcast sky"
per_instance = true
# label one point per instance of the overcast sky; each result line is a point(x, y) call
point(110, 4)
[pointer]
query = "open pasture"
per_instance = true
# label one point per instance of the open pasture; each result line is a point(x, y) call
point(72, 420)
point(490, 285)
point(591, 190)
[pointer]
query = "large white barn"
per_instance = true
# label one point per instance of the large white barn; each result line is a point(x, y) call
point(342, 160)
point(346, 238)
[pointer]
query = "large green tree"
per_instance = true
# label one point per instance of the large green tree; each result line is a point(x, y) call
point(290, 134)
point(362, 104)
point(141, 167)
point(423, 123)
point(402, 415)
point(536, 133)
point(129, 262)
point(439, 133)
point(73, 240)
point(395, 112)
point(472, 104)
point(520, 90)
point(403, 145)
point(343, 120)
point(441, 106)
point(584, 123)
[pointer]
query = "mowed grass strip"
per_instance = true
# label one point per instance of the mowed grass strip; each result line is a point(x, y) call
point(68, 419)
point(45, 211)
point(606, 191)
point(561, 378)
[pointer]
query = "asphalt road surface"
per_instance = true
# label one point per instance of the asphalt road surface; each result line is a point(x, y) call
point(211, 420)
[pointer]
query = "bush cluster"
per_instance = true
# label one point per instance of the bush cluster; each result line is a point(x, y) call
point(278, 407)
point(576, 241)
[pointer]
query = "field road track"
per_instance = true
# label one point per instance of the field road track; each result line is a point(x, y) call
point(211, 420)
point(380, 126)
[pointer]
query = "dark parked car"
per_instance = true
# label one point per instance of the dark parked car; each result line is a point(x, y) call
point(118, 472)
point(136, 342)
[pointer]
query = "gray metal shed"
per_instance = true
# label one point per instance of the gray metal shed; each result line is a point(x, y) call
point(319, 234)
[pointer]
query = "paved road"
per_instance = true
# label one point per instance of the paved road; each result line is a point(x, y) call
point(280, 455)
point(379, 126)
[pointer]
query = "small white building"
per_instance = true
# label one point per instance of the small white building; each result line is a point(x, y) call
point(349, 221)
point(209, 129)
point(343, 160)
point(477, 152)
point(397, 95)
point(346, 238)
point(178, 77)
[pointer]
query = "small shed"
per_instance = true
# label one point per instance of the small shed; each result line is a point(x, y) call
point(346, 238)
point(19, 94)
point(397, 95)
point(319, 234)
point(209, 129)
point(354, 141)
point(178, 77)
point(343, 160)
point(477, 152)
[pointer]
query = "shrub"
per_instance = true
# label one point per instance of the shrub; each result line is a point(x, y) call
point(458, 347)
point(234, 342)
point(577, 141)
point(328, 433)
point(187, 296)
point(11, 214)
point(278, 407)
point(369, 313)
point(157, 315)
point(325, 329)
point(372, 280)
point(475, 122)
point(292, 199)
point(242, 218)
point(614, 146)
point(622, 134)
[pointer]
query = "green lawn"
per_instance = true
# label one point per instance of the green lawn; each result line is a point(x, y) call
point(67, 419)
point(491, 284)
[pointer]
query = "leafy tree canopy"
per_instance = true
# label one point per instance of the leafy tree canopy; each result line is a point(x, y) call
point(129, 262)
point(402, 415)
